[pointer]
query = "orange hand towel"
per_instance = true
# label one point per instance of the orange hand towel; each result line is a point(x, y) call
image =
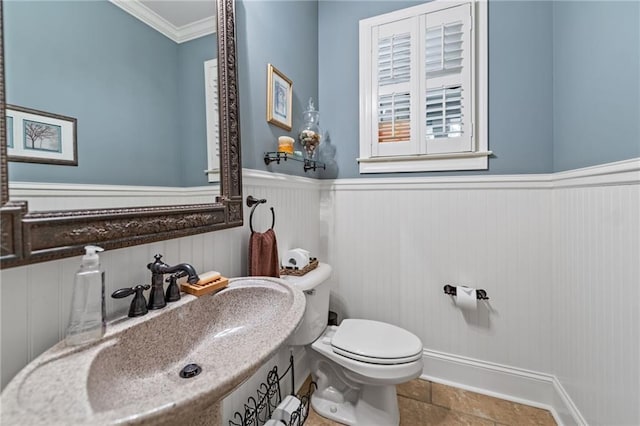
point(263, 254)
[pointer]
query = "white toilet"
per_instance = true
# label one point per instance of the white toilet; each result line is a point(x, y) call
point(357, 364)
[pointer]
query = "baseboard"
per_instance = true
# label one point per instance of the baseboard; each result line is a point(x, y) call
point(508, 383)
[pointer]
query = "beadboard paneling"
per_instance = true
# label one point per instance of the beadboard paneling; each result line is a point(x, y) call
point(68, 196)
point(596, 275)
point(558, 255)
point(394, 249)
point(35, 300)
point(236, 401)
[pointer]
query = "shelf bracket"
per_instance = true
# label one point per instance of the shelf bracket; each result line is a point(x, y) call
point(270, 157)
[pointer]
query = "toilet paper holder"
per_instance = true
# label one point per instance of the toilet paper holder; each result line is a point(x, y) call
point(451, 291)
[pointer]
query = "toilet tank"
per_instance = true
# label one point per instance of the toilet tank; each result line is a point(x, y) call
point(315, 286)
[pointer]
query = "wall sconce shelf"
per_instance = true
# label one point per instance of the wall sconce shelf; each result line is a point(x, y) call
point(277, 156)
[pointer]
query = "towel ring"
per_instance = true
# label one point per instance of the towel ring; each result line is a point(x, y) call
point(253, 203)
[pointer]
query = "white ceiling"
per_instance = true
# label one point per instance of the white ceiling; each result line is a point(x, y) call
point(180, 20)
point(182, 12)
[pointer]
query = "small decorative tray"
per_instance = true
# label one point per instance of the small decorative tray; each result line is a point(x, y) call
point(201, 290)
point(288, 270)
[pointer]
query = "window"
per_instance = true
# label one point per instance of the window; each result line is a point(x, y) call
point(213, 125)
point(423, 89)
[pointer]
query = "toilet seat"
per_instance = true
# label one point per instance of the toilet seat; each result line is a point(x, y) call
point(371, 373)
point(375, 342)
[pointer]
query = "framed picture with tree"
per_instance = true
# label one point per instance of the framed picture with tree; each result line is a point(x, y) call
point(35, 136)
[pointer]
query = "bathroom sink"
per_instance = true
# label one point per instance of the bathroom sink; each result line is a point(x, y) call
point(132, 375)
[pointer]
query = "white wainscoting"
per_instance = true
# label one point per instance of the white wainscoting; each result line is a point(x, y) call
point(235, 402)
point(596, 293)
point(513, 384)
point(69, 196)
point(558, 255)
point(35, 300)
point(394, 246)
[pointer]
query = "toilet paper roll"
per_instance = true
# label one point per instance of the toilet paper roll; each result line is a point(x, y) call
point(466, 297)
point(296, 258)
point(286, 408)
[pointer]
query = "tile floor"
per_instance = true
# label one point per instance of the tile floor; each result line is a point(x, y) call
point(424, 403)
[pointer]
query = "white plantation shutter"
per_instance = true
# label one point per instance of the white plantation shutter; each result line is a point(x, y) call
point(444, 112)
point(394, 59)
point(212, 119)
point(447, 72)
point(394, 83)
point(394, 117)
point(423, 92)
point(443, 47)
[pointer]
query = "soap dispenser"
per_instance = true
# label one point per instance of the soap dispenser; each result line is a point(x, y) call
point(87, 321)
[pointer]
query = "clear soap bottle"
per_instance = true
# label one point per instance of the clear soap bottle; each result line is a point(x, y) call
point(87, 320)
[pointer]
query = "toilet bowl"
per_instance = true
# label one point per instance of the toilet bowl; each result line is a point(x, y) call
point(357, 364)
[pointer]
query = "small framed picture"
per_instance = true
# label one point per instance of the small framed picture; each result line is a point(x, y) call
point(279, 96)
point(40, 137)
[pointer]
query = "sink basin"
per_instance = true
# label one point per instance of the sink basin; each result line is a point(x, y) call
point(132, 375)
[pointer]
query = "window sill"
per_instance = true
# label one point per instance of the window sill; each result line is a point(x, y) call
point(213, 175)
point(426, 163)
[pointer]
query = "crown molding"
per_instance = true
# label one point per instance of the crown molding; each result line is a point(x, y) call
point(196, 30)
point(181, 34)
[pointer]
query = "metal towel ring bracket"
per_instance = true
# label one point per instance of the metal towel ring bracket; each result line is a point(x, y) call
point(254, 202)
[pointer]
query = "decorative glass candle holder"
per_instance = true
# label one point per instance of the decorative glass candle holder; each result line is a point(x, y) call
point(310, 133)
point(285, 144)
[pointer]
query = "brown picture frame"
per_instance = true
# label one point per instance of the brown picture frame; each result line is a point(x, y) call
point(40, 126)
point(279, 98)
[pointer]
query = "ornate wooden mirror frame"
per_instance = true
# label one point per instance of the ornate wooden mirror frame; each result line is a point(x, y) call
point(31, 237)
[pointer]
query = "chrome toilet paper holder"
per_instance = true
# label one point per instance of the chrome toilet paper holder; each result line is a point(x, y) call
point(451, 291)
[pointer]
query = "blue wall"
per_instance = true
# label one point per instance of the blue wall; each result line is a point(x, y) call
point(596, 60)
point(520, 83)
point(119, 78)
point(564, 83)
point(552, 71)
point(285, 34)
point(193, 122)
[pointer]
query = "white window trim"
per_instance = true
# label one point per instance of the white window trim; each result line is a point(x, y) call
point(212, 119)
point(476, 160)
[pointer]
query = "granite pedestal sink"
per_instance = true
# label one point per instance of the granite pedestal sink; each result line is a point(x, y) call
point(132, 375)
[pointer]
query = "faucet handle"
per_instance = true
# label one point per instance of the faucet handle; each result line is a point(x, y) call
point(157, 263)
point(173, 291)
point(138, 304)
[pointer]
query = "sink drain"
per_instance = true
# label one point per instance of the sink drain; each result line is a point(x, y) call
point(190, 370)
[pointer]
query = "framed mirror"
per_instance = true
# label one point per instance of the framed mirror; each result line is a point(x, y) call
point(29, 236)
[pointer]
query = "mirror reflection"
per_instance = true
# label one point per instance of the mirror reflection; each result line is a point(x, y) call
point(137, 89)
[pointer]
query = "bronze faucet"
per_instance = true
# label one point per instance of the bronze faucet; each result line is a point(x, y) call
point(158, 268)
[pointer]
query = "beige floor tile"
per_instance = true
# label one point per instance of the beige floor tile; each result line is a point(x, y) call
point(314, 419)
point(450, 406)
point(501, 411)
point(305, 387)
point(417, 389)
point(416, 413)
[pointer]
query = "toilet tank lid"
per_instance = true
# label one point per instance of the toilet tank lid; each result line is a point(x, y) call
point(376, 339)
point(311, 279)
